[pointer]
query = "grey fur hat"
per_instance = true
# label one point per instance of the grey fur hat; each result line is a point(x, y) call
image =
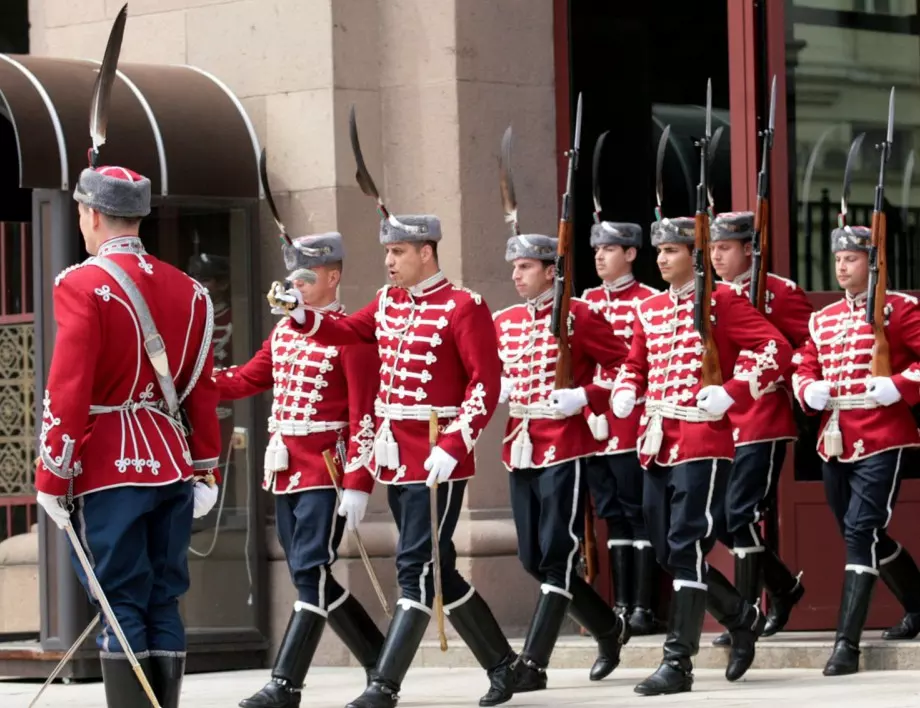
point(611, 233)
point(413, 228)
point(311, 251)
point(851, 238)
point(732, 226)
point(538, 246)
point(114, 191)
point(679, 230)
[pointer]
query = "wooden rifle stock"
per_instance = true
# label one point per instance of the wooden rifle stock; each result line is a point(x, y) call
point(711, 373)
point(762, 231)
point(561, 298)
point(881, 354)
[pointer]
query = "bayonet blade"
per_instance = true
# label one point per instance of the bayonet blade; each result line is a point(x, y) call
point(848, 175)
point(890, 122)
point(771, 123)
point(102, 89)
point(708, 108)
point(577, 142)
point(506, 183)
point(659, 165)
point(595, 175)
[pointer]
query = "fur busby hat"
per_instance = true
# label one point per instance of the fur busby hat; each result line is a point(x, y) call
point(679, 230)
point(114, 191)
point(732, 226)
point(207, 266)
point(851, 238)
point(611, 233)
point(312, 251)
point(537, 246)
point(413, 228)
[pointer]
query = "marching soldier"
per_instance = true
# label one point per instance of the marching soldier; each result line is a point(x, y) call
point(687, 447)
point(761, 430)
point(323, 401)
point(438, 354)
point(614, 474)
point(867, 427)
point(546, 435)
point(132, 442)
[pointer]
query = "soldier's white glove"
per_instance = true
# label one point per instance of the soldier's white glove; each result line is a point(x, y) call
point(205, 499)
point(714, 400)
point(507, 385)
point(816, 395)
point(287, 302)
point(623, 403)
point(439, 465)
point(882, 390)
point(568, 401)
point(54, 507)
point(353, 507)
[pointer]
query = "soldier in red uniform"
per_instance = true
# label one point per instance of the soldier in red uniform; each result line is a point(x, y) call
point(614, 474)
point(546, 435)
point(686, 446)
point(323, 401)
point(135, 447)
point(761, 430)
point(866, 429)
point(438, 353)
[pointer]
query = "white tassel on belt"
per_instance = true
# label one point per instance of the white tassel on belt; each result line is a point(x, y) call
point(276, 458)
point(521, 447)
point(386, 451)
point(653, 436)
point(833, 438)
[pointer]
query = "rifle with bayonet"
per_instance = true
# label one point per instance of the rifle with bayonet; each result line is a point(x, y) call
point(761, 241)
point(711, 373)
point(562, 287)
point(878, 259)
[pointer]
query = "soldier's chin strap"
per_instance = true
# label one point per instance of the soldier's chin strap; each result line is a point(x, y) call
point(220, 512)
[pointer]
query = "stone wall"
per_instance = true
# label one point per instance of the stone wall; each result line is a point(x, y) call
point(435, 83)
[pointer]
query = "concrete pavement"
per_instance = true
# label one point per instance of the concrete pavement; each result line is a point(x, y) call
point(461, 688)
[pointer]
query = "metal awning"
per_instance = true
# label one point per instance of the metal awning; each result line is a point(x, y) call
point(178, 125)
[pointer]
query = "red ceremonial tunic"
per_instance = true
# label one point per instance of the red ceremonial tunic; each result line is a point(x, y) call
point(770, 417)
point(664, 365)
point(323, 397)
point(617, 301)
point(438, 351)
point(535, 435)
point(104, 423)
point(839, 351)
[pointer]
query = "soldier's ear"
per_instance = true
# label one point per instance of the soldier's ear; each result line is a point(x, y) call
point(748, 248)
point(631, 254)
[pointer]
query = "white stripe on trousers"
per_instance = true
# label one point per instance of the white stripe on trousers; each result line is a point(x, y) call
point(427, 566)
point(894, 485)
point(700, 561)
point(575, 498)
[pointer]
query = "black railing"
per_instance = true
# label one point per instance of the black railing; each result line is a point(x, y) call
point(813, 261)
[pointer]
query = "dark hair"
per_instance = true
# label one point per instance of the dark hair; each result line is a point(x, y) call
point(121, 222)
point(434, 247)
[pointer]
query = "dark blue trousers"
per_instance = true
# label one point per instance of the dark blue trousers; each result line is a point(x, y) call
point(862, 496)
point(615, 482)
point(310, 531)
point(685, 512)
point(136, 540)
point(751, 491)
point(410, 506)
point(548, 508)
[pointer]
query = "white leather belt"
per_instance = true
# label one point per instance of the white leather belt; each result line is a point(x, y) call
point(850, 403)
point(534, 411)
point(690, 414)
point(303, 427)
point(399, 411)
point(132, 406)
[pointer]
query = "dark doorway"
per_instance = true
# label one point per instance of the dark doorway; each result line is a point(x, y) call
point(640, 68)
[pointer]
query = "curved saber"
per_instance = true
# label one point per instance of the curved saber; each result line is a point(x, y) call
point(63, 662)
point(263, 175)
point(659, 165)
point(595, 175)
point(506, 184)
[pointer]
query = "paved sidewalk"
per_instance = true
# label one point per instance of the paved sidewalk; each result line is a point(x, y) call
point(461, 688)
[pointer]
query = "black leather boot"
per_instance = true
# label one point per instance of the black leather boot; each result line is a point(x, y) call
point(298, 646)
point(854, 608)
point(903, 579)
point(358, 632)
point(399, 647)
point(621, 571)
point(610, 630)
point(748, 582)
point(543, 632)
point(685, 624)
point(122, 688)
point(743, 620)
point(785, 591)
point(478, 628)
point(166, 679)
point(642, 621)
